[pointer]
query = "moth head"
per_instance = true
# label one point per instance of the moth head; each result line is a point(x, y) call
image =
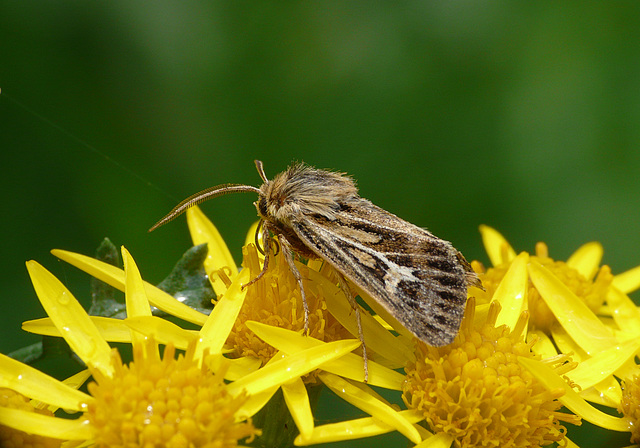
point(305, 190)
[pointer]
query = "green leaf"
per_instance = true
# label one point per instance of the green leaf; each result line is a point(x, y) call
point(107, 301)
point(188, 281)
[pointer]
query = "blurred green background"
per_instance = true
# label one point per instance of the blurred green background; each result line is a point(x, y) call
point(523, 116)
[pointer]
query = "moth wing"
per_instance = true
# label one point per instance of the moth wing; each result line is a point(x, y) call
point(418, 278)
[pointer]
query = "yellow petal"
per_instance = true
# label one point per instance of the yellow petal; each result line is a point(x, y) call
point(112, 330)
point(586, 259)
point(254, 403)
point(551, 381)
point(236, 368)
point(569, 443)
point(610, 391)
point(113, 276)
point(628, 370)
point(604, 364)
point(354, 429)
point(595, 396)
point(497, 247)
point(566, 344)
point(278, 372)
point(44, 425)
point(480, 315)
point(381, 321)
point(369, 404)
point(136, 298)
point(216, 329)
point(440, 440)
point(625, 313)
point(218, 257)
point(573, 314)
point(512, 292)
point(75, 382)
point(34, 384)
point(543, 346)
point(627, 281)
point(349, 366)
point(162, 331)
point(71, 319)
point(297, 399)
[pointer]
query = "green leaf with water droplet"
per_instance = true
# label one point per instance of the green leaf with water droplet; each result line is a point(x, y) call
point(188, 281)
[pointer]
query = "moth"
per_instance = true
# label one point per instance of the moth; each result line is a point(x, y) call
point(417, 278)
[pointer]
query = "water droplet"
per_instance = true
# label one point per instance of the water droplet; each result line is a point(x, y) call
point(64, 298)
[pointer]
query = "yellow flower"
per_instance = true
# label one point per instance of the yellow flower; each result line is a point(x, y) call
point(154, 399)
point(576, 307)
point(476, 391)
point(489, 387)
point(165, 401)
point(580, 274)
point(500, 383)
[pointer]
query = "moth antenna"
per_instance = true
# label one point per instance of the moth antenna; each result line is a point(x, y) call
point(212, 192)
point(260, 169)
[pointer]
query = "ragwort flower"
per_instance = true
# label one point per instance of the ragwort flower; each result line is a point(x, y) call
point(576, 307)
point(585, 312)
point(476, 391)
point(155, 400)
point(580, 273)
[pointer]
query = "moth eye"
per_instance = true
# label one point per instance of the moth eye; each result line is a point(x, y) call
point(262, 206)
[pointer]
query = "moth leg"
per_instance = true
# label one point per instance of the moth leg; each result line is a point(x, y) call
point(288, 255)
point(266, 242)
point(344, 285)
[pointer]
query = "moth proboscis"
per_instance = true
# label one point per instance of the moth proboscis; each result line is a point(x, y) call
point(418, 279)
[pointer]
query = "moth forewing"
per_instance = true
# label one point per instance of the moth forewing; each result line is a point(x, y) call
point(418, 279)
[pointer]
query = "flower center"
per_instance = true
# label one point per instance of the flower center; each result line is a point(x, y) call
point(275, 300)
point(475, 390)
point(168, 402)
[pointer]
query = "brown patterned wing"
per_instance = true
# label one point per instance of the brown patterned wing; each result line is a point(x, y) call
point(420, 279)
